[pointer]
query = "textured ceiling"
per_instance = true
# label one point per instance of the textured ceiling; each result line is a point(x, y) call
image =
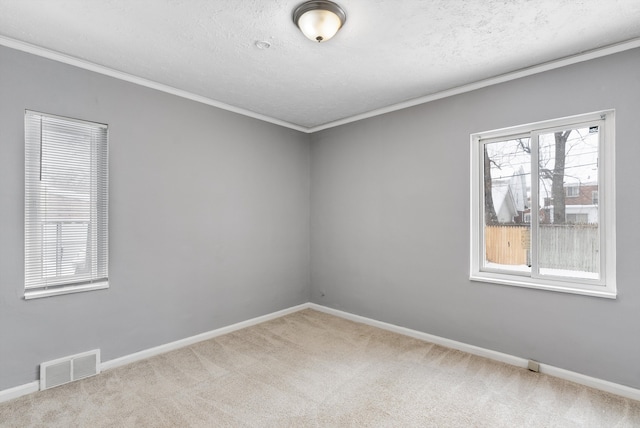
point(388, 52)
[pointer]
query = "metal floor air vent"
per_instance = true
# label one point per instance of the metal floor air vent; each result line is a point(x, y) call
point(67, 369)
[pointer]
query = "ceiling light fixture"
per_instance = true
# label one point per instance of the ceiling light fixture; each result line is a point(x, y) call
point(319, 20)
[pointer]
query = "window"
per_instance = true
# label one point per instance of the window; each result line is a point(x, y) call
point(577, 218)
point(594, 197)
point(573, 191)
point(524, 169)
point(66, 205)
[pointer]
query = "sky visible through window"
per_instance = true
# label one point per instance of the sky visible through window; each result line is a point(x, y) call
point(512, 158)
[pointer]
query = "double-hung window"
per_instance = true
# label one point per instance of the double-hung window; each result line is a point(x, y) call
point(66, 205)
point(531, 225)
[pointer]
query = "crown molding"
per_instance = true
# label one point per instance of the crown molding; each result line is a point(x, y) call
point(529, 71)
point(80, 63)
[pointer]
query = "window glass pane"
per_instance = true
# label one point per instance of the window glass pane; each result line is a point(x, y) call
point(507, 183)
point(66, 191)
point(64, 248)
point(569, 234)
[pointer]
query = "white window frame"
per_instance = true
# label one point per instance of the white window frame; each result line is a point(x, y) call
point(38, 285)
point(606, 285)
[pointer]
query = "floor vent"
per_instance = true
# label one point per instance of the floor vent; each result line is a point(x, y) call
point(67, 369)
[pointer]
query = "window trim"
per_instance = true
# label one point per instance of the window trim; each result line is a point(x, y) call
point(91, 284)
point(67, 289)
point(606, 212)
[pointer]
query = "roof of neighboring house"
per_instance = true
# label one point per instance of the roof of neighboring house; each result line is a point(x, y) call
point(511, 191)
point(502, 194)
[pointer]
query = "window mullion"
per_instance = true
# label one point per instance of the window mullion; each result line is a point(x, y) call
point(481, 221)
point(535, 206)
point(603, 182)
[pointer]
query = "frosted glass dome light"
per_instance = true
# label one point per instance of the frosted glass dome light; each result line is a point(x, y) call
point(319, 20)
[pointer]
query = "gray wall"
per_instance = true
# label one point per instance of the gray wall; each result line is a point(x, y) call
point(209, 219)
point(390, 223)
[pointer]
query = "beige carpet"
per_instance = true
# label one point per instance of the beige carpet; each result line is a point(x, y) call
point(313, 369)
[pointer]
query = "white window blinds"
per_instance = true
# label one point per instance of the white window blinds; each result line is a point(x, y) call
point(66, 205)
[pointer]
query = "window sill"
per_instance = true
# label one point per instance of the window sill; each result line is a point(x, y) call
point(37, 294)
point(540, 284)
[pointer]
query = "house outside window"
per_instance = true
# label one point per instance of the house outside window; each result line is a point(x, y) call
point(545, 168)
point(66, 205)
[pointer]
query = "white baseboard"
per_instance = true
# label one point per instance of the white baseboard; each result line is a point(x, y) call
point(603, 385)
point(19, 391)
point(28, 388)
point(151, 352)
point(593, 382)
point(475, 350)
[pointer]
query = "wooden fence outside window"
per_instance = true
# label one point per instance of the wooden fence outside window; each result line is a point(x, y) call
point(562, 246)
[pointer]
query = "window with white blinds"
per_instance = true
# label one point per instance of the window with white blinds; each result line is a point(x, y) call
point(66, 205)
